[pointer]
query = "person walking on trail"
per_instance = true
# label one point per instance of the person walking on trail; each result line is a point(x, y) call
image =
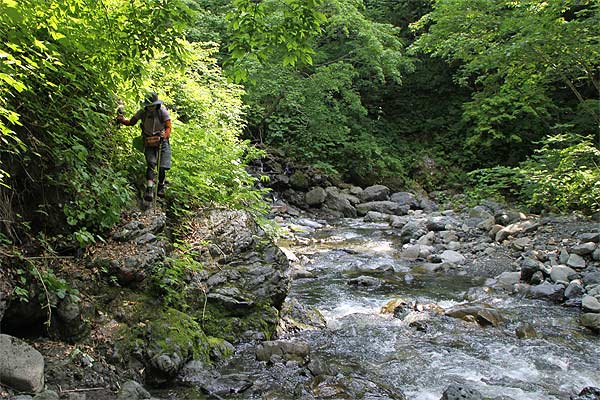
point(156, 129)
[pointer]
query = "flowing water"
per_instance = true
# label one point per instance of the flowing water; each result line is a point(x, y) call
point(425, 352)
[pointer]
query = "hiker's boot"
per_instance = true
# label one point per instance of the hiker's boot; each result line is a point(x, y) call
point(161, 191)
point(148, 194)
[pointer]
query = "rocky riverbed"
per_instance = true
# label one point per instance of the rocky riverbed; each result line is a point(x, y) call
point(217, 324)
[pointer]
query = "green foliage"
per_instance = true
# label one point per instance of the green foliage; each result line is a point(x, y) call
point(515, 55)
point(280, 31)
point(171, 279)
point(561, 176)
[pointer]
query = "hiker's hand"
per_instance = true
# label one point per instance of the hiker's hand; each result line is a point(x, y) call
point(162, 135)
point(120, 118)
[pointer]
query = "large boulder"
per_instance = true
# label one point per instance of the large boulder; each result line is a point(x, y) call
point(461, 392)
point(22, 365)
point(547, 291)
point(382, 206)
point(374, 193)
point(316, 196)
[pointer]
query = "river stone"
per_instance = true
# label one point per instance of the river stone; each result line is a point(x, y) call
point(131, 390)
point(382, 206)
point(584, 248)
point(405, 199)
point(588, 393)
point(529, 266)
point(561, 273)
point(374, 216)
point(441, 223)
point(590, 237)
point(454, 257)
point(480, 212)
point(515, 229)
point(276, 350)
point(563, 256)
point(590, 304)
point(596, 255)
point(574, 290)
point(576, 261)
point(411, 251)
point(461, 392)
point(316, 196)
point(414, 229)
point(547, 291)
point(335, 201)
point(22, 365)
point(226, 385)
point(483, 314)
point(591, 321)
point(374, 193)
point(365, 280)
point(537, 278)
point(591, 278)
point(46, 395)
point(507, 280)
point(299, 181)
point(525, 331)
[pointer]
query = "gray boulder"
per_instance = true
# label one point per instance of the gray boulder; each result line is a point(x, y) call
point(405, 199)
point(590, 304)
point(414, 229)
point(561, 273)
point(584, 248)
point(131, 390)
point(576, 261)
point(280, 350)
point(574, 290)
point(374, 193)
point(547, 291)
point(454, 257)
point(382, 206)
point(461, 392)
point(316, 196)
point(591, 321)
point(22, 365)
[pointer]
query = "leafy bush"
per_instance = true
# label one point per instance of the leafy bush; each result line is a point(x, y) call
point(562, 175)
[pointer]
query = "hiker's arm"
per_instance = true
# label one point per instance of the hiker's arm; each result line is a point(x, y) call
point(167, 129)
point(127, 122)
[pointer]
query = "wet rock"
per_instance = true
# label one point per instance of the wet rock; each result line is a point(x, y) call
point(22, 365)
point(397, 221)
point(547, 291)
point(69, 322)
point(461, 392)
point(374, 193)
point(232, 299)
point(576, 261)
point(364, 280)
point(299, 181)
point(591, 321)
point(280, 350)
point(584, 248)
point(411, 251)
point(596, 255)
point(525, 331)
point(196, 373)
point(454, 257)
point(315, 196)
point(590, 304)
point(296, 317)
point(561, 274)
point(131, 390)
point(482, 313)
point(347, 387)
point(588, 393)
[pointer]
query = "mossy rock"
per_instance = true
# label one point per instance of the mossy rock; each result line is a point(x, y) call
point(164, 341)
point(218, 322)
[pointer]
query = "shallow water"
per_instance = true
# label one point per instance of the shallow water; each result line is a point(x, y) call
point(362, 342)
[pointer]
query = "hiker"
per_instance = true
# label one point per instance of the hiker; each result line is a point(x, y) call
point(156, 129)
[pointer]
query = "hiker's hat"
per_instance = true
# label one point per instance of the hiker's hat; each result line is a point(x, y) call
point(152, 100)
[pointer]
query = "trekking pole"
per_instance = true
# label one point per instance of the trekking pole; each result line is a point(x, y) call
point(155, 194)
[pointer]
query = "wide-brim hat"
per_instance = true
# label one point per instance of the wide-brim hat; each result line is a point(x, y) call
point(152, 100)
